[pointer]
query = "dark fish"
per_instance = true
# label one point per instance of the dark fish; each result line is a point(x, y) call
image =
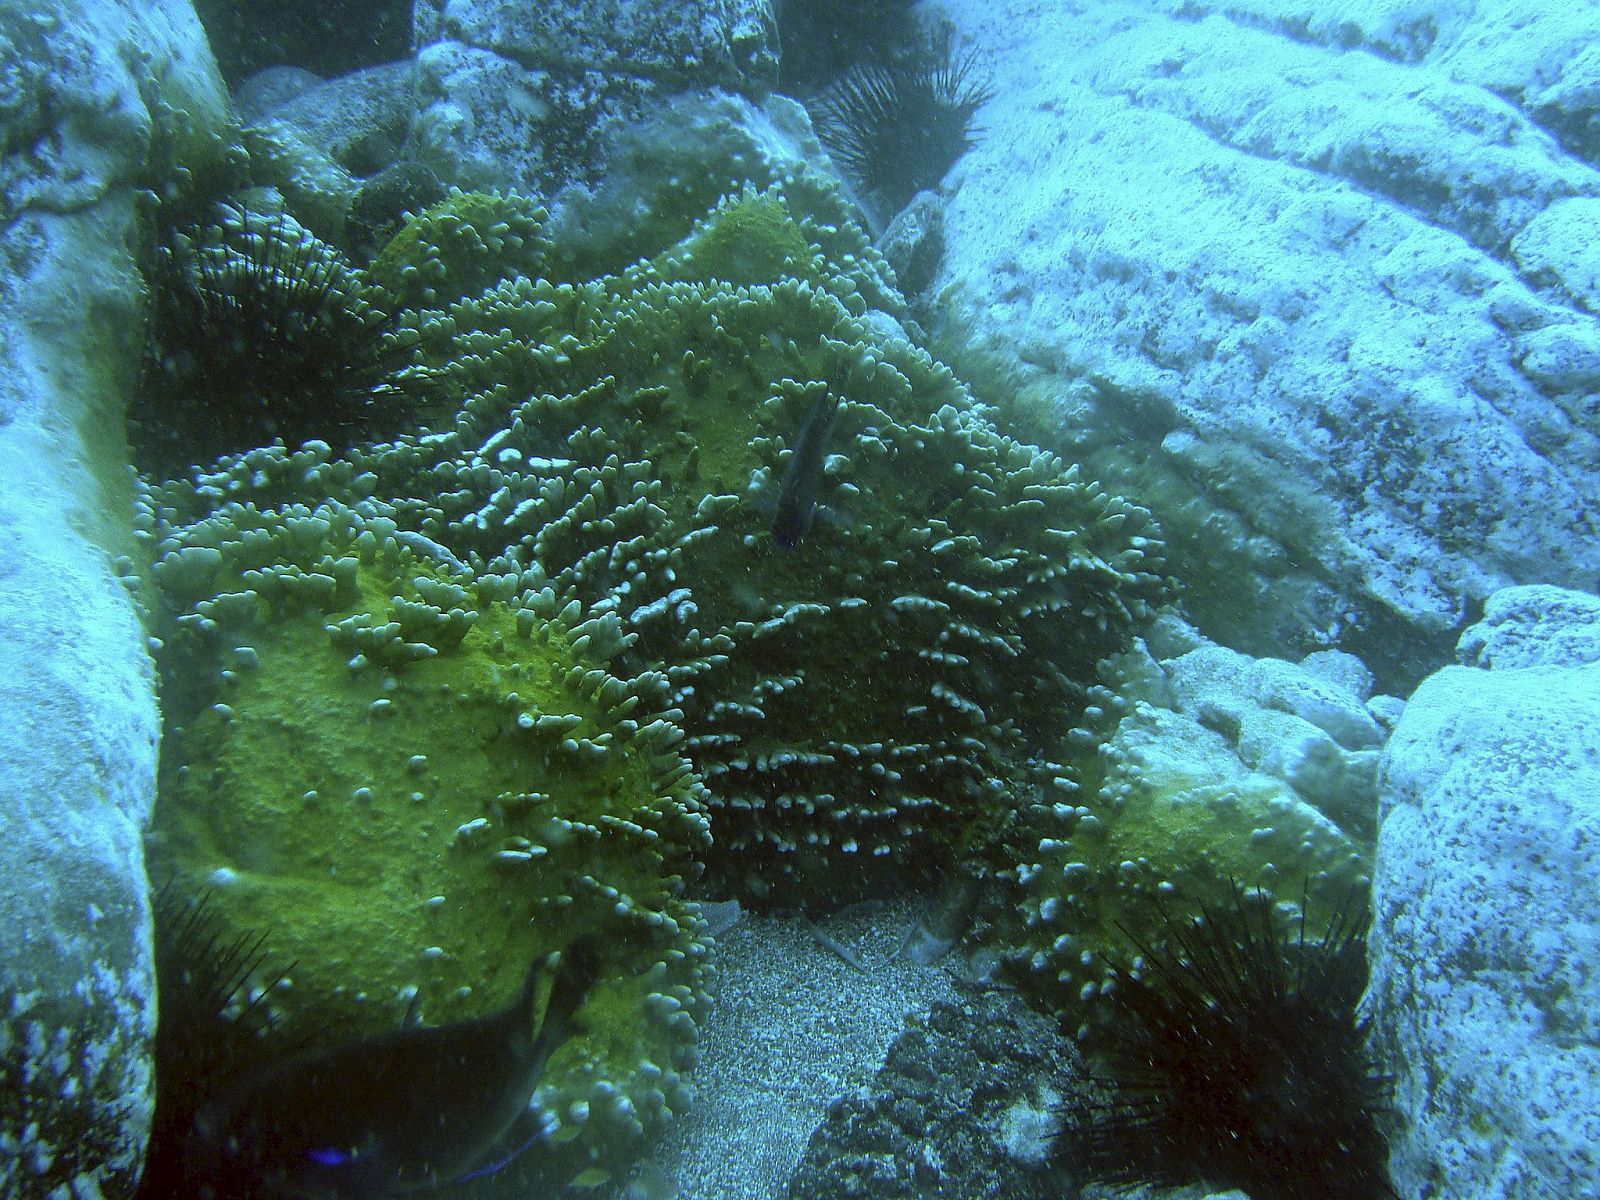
point(944, 921)
point(797, 498)
point(397, 1112)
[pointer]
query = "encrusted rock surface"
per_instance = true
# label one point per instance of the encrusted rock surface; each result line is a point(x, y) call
point(1315, 282)
point(90, 88)
point(518, 95)
point(966, 1105)
point(1212, 768)
point(1485, 988)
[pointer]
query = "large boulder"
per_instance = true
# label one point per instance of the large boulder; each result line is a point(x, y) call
point(91, 87)
point(1315, 282)
point(1485, 951)
point(519, 95)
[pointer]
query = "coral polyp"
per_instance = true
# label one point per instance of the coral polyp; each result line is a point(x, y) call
point(416, 780)
point(853, 706)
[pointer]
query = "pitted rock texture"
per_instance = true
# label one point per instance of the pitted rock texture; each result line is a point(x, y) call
point(1314, 282)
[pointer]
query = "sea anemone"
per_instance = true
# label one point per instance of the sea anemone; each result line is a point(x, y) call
point(259, 330)
point(1237, 1058)
point(897, 129)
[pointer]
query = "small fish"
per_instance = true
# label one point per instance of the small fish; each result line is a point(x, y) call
point(944, 922)
point(397, 1112)
point(797, 497)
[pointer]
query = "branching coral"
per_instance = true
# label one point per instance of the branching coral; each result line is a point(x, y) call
point(461, 246)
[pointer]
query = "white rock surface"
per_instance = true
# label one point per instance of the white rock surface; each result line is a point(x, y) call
point(524, 95)
point(77, 704)
point(1485, 947)
point(1317, 282)
point(1535, 626)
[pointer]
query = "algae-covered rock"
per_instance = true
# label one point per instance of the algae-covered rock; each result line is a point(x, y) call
point(414, 780)
point(96, 98)
point(527, 96)
point(1201, 779)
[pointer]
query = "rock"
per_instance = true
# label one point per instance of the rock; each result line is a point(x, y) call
point(267, 89)
point(966, 1105)
point(1485, 985)
point(522, 96)
point(666, 170)
point(914, 243)
point(92, 90)
point(1314, 282)
point(1558, 247)
point(1306, 725)
point(1221, 688)
point(1219, 770)
point(318, 144)
point(1562, 358)
point(1344, 671)
point(328, 39)
point(359, 120)
point(1534, 626)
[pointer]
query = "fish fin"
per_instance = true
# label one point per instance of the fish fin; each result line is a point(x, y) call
point(413, 1015)
point(528, 1001)
point(576, 974)
point(526, 1131)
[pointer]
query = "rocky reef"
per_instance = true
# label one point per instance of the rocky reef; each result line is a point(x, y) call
point(439, 704)
point(1213, 771)
point(1484, 987)
point(1314, 283)
point(84, 109)
point(639, 538)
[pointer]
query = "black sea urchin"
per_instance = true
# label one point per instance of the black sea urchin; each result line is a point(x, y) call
point(259, 330)
point(897, 129)
point(210, 1022)
point(1237, 1059)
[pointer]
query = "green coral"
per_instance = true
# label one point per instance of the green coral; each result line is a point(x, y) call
point(418, 778)
point(855, 705)
point(750, 239)
point(1167, 822)
point(461, 246)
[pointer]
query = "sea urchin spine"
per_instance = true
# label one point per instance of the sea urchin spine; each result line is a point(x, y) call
point(1237, 1058)
point(895, 130)
point(259, 330)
